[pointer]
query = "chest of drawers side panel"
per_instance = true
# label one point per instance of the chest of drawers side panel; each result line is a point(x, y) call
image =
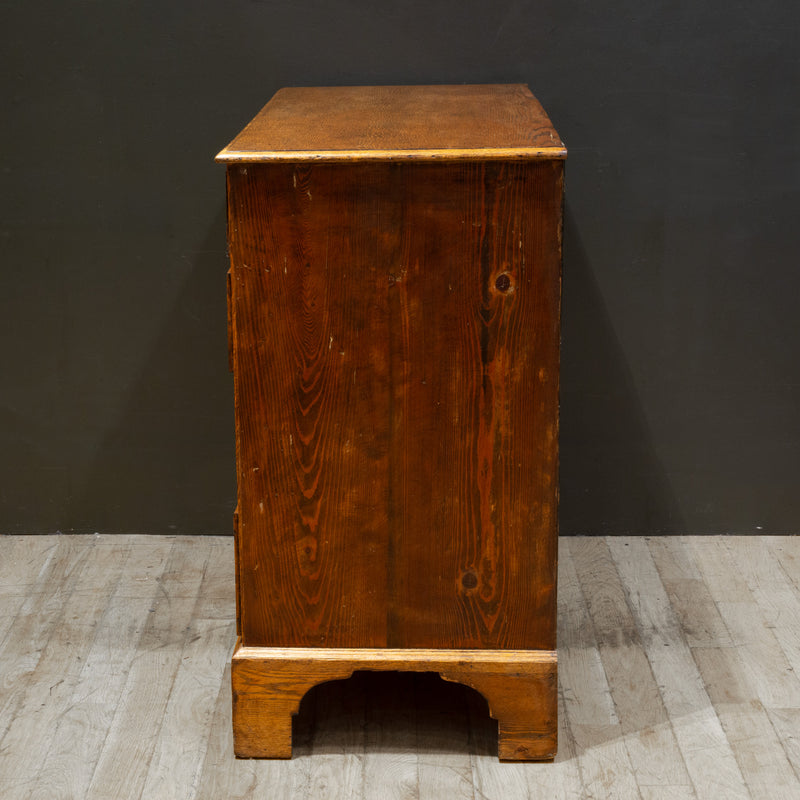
point(396, 371)
point(312, 406)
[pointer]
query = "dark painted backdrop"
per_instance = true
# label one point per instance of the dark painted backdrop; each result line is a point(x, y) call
point(681, 344)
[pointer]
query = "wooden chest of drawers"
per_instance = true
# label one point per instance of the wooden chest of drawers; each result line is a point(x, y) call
point(394, 299)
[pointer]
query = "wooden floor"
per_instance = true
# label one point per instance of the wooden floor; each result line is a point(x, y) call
point(678, 659)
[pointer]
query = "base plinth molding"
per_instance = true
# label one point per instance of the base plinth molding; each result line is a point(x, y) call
point(520, 687)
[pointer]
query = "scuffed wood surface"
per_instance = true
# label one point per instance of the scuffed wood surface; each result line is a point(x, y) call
point(519, 686)
point(345, 123)
point(396, 335)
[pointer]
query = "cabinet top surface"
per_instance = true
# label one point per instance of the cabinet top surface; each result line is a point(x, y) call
point(395, 123)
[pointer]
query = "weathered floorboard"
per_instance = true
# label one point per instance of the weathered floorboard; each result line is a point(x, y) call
point(707, 752)
point(635, 657)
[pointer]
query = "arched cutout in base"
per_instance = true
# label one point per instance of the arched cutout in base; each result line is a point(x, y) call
point(392, 711)
point(520, 687)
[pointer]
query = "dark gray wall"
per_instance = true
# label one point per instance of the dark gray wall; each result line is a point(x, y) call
point(681, 395)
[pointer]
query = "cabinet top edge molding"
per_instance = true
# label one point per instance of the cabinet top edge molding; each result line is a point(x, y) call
point(398, 123)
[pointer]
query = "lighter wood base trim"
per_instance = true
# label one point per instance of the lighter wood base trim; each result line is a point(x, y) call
point(520, 687)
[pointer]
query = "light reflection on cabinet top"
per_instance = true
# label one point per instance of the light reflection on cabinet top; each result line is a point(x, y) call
point(397, 123)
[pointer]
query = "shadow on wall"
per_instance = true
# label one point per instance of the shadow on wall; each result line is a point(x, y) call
point(612, 481)
point(167, 466)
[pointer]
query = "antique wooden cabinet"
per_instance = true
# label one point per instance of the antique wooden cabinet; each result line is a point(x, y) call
point(394, 299)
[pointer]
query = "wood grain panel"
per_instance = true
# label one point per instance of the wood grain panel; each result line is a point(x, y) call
point(311, 375)
point(396, 360)
point(474, 315)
